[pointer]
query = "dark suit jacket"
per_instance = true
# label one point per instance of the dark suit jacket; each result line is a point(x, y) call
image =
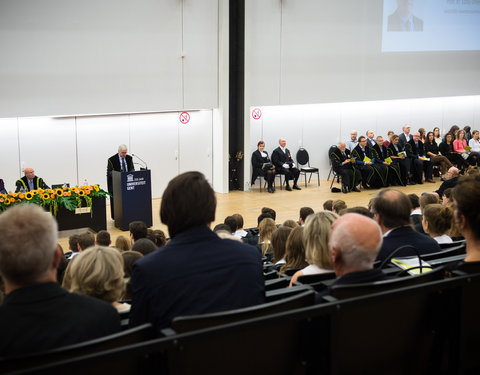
point(359, 277)
point(402, 140)
point(2, 187)
point(195, 273)
point(45, 316)
point(406, 236)
point(37, 183)
point(395, 23)
point(450, 183)
point(113, 164)
point(257, 163)
point(279, 158)
point(413, 151)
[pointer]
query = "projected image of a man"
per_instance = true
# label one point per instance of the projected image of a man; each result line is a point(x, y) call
point(403, 19)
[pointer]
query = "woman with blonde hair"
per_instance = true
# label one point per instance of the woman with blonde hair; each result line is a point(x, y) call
point(315, 238)
point(266, 228)
point(98, 272)
point(294, 251)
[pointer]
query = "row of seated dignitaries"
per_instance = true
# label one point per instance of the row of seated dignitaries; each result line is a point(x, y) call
point(376, 166)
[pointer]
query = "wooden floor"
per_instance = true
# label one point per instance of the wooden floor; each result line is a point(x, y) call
point(285, 203)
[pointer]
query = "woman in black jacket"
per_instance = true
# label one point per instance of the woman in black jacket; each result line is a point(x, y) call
point(262, 166)
point(446, 149)
point(435, 156)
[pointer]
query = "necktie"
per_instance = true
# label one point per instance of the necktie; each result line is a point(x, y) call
point(124, 167)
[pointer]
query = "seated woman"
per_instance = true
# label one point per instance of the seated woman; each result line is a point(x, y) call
point(279, 242)
point(265, 231)
point(474, 143)
point(294, 251)
point(459, 146)
point(262, 166)
point(436, 222)
point(436, 136)
point(447, 150)
point(316, 234)
point(98, 272)
point(435, 156)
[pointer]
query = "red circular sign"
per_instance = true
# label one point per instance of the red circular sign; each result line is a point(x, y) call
point(184, 117)
point(256, 114)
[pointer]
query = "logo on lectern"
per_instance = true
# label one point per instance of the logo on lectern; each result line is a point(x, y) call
point(129, 177)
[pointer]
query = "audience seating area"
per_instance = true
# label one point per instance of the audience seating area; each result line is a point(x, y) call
point(425, 328)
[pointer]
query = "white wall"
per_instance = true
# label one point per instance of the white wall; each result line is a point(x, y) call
point(69, 57)
point(72, 149)
point(318, 126)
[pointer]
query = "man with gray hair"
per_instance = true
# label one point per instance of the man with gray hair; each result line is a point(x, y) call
point(37, 314)
point(120, 162)
point(355, 241)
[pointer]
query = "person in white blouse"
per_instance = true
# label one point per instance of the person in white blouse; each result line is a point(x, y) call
point(474, 143)
point(436, 221)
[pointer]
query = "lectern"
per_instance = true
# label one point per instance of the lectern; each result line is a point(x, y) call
point(132, 198)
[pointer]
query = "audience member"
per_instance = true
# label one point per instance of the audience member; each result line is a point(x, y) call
point(290, 223)
point(436, 221)
point(450, 181)
point(103, 238)
point(447, 150)
point(460, 147)
point(344, 165)
point(138, 229)
point(416, 212)
point(73, 245)
point(263, 166)
point(150, 236)
point(315, 239)
point(232, 223)
point(371, 175)
point(36, 313)
point(405, 137)
point(352, 142)
point(447, 196)
point(240, 232)
point(62, 265)
point(338, 205)
point(474, 143)
point(304, 212)
point(328, 205)
point(294, 251)
point(122, 244)
point(85, 240)
point(263, 216)
point(392, 212)
point(355, 241)
point(129, 259)
point(144, 246)
point(420, 163)
point(433, 152)
point(399, 157)
point(196, 272)
point(159, 238)
point(279, 242)
point(466, 198)
point(270, 211)
point(437, 136)
point(370, 138)
point(266, 229)
point(383, 161)
point(390, 134)
point(98, 272)
point(357, 210)
point(2, 187)
point(224, 228)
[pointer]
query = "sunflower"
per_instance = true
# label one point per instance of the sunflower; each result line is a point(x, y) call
point(29, 195)
point(49, 191)
point(59, 192)
point(45, 196)
point(7, 202)
point(96, 188)
point(34, 192)
point(81, 193)
point(14, 195)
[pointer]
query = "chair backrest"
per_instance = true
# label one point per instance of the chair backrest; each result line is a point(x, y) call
point(195, 322)
point(459, 249)
point(132, 336)
point(302, 156)
point(355, 290)
point(310, 279)
point(291, 271)
point(330, 150)
point(280, 282)
point(452, 244)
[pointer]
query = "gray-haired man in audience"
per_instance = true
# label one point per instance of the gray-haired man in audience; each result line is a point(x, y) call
point(37, 314)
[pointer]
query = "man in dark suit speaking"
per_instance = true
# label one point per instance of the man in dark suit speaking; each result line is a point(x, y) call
point(283, 162)
point(120, 162)
point(403, 19)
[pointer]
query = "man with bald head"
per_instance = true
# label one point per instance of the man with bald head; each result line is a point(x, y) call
point(355, 241)
point(352, 142)
point(392, 212)
point(30, 182)
point(283, 162)
point(450, 182)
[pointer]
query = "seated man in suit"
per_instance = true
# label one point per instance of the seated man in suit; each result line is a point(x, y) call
point(120, 162)
point(345, 167)
point(416, 153)
point(405, 136)
point(383, 158)
point(37, 314)
point(354, 243)
point(392, 212)
point(283, 162)
point(30, 182)
point(398, 156)
point(197, 272)
point(450, 182)
point(370, 138)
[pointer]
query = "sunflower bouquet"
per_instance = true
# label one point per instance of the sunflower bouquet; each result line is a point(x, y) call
point(52, 199)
